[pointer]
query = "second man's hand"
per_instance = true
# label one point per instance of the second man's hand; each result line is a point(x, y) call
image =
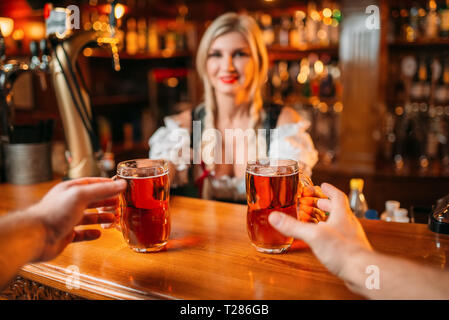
point(331, 241)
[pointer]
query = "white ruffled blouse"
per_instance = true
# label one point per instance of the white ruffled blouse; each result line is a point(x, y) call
point(291, 141)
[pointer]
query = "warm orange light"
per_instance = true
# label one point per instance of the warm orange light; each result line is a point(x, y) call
point(319, 67)
point(323, 107)
point(119, 11)
point(315, 15)
point(302, 77)
point(35, 30)
point(172, 82)
point(6, 25)
point(327, 21)
point(327, 13)
point(338, 107)
point(87, 52)
point(18, 35)
point(399, 110)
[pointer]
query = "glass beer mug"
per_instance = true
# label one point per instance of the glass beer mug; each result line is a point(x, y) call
point(144, 205)
point(272, 185)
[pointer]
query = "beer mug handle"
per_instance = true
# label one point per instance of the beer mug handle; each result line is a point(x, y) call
point(112, 209)
point(303, 181)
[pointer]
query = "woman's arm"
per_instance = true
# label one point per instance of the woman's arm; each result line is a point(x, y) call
point(291, 140)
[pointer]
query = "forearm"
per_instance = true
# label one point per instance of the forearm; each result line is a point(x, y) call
point(397, 278)
point(21, 240)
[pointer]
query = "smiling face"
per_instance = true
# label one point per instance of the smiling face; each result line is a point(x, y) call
point(230, 66)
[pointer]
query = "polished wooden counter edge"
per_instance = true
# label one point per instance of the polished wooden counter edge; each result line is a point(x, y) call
point(82, 285)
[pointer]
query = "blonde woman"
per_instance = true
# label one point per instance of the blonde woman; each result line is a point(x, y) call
point(232, 62)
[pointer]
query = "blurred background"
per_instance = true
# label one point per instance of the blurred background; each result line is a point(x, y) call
point(377, 97)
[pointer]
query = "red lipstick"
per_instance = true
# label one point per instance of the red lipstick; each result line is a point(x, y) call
point(229, 79)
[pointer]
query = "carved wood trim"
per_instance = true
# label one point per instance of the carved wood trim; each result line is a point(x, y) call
point(24, 289)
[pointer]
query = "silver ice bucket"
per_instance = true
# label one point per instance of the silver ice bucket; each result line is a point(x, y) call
point(27, 163)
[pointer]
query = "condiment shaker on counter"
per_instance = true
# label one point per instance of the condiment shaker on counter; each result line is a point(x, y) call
point(400, 215)
point(390, 206)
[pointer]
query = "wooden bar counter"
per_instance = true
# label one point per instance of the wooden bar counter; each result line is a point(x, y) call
point(209, 256)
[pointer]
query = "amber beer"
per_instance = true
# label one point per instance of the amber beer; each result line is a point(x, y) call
point(144, 206)
point(271, 185)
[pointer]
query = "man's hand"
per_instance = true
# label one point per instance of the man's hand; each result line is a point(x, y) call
point(333, 240)
point(63, 208)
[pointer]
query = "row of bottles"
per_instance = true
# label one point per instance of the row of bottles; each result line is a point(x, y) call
point(311, 76)
point(313, 87)
point(142, 35)
point(417, 126)
point(419, 21)
point(315, 25)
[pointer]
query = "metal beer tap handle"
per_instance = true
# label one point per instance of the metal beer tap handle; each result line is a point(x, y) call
point(35, 61)
point(9, 72)
point(46, 55)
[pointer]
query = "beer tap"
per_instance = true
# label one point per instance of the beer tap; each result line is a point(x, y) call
point(9, 72)
point(84, 152)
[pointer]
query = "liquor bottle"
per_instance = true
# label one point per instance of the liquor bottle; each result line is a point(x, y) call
point(334, 32)
point(357, 200)
point(284, 32)
point(170, 39)
point(267, 29)
point(312, 23)
point(181, 28)
point(413, 28)
point(419, 116)
point(395, 25)
point(422, 21)
point(142, 35)
point(416, 87)
point(388, 136)
point(327, 87)
point(426, 82)
point(441, 86)
point(432, 20)
point(405, 22)
point(131, 37)
point(153, 38)
point(297, 36)
point(444, 17)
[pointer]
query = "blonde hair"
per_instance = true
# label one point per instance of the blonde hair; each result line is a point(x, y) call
point(249, 29)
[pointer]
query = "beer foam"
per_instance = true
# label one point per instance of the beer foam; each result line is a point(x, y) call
point(272, 172)
point(147, 177)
